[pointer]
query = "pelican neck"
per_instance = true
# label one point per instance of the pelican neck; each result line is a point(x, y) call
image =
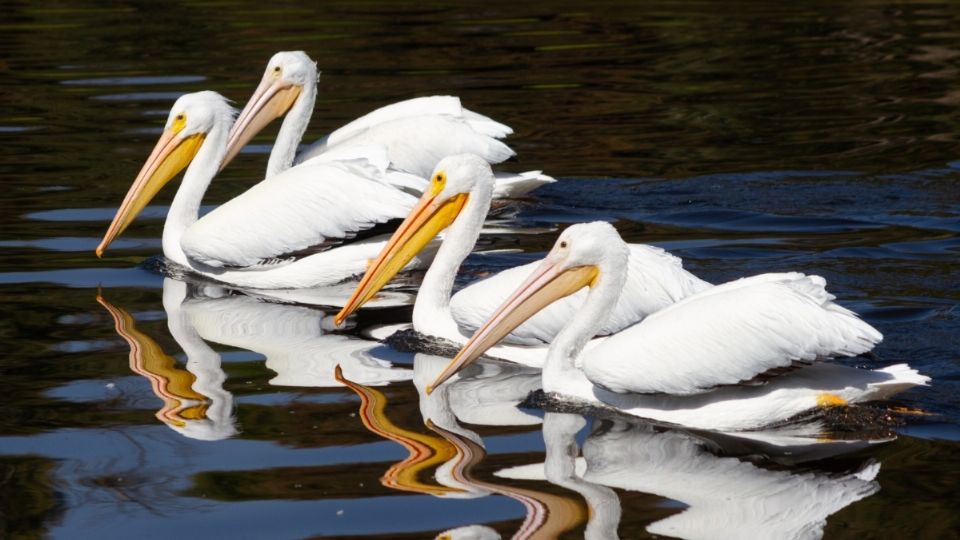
point(292, 130)
point(559, 369)
point(431, 311)
point(185, 209)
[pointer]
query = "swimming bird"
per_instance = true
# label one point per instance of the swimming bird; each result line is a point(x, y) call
point(417, 133)
point(457, 201)
point(683, 364)
point(311, 225)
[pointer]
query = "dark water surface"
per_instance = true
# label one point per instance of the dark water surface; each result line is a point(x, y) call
point(745, 137)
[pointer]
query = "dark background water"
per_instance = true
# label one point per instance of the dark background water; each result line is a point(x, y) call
point(745, 136)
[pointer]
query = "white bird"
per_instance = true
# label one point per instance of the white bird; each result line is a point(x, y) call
point(295, 229)
point(458, 200)
point(681, 365)
point(416, 133)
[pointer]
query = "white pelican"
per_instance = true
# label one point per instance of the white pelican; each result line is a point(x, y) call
point(269, 236)
point(458, 200)
point(417, 133)
point(668, 367)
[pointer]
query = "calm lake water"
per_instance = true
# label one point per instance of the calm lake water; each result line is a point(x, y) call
point(745, 138)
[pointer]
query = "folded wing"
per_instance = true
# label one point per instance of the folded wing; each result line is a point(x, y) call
point(419, 132)
point(655, 280)
point(314, 206)
point(729, 334)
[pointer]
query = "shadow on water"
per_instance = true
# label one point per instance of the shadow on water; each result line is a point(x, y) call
point(764, 137)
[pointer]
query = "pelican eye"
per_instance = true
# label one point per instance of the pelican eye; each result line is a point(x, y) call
point(439, 181)
point(563, 245)
point(179, 122)
point(276, 71)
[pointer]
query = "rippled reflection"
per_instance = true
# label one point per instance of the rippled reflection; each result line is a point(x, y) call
point(747, 485)
point(732, 487)
point(425, 451)
point(194, 401)
point(486, 394)
point(772, 136)
point(296, 342)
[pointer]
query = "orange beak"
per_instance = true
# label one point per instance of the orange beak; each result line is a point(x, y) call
point(272, 99)
point(548, 283)
point(426, 220)
point(170, 156)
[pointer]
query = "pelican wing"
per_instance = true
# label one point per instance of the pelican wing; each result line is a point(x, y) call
point(322, 203)
point(424, 106)
point(655, 280)
point(729, 334)
point(508, 185)
point(419, 132)
point(375, 163)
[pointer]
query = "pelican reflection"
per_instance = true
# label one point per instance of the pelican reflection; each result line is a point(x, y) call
point(295, 340)
point(489, 395)
point(732, 487)
point(195, 403)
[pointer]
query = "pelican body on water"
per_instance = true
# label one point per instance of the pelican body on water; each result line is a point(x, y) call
point(684, 364)
point(456, 203)
point(416, 133)
point(315, 222)
point(279, 233)
point(614, 325)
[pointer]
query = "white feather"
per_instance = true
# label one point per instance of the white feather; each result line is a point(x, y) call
point(448, 106)
point(511, 185)
point(655, 280)
point(294, 210)
point(417, 144)
point(419, 132)
point(738, 408)
point(729, 334)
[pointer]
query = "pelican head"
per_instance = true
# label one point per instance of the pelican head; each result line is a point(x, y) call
point(583, 256)
point(287, 75)
point(191, 119)
point(455, 180)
